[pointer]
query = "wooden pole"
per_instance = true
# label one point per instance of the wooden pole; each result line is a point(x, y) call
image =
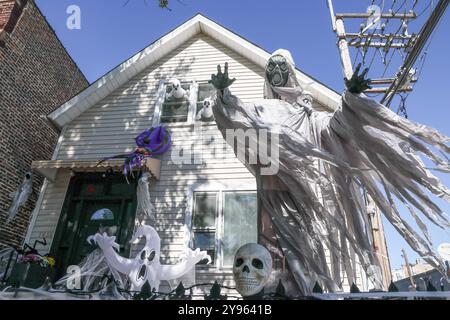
point(408, 268)
point(346, 62)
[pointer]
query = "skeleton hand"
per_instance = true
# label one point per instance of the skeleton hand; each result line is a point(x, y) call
point(220, 80)
point(103, 241)
point(195, 256)
point(358, 84)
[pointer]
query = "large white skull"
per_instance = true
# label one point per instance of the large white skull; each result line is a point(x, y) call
point(251, 268)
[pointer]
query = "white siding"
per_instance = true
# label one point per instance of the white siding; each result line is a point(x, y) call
point(50, 210)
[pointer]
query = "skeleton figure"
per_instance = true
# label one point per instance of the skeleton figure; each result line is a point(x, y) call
point(177, 91)
point(146, 266)
point(20, 197)
point(206, 113)
point(251, 269)
point(314, 201)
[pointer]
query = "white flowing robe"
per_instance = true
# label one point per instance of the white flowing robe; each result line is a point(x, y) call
point(316, 200)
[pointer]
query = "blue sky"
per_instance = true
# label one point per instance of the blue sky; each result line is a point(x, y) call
point(111, 33)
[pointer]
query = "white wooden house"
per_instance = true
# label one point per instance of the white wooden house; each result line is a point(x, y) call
point(104, 119)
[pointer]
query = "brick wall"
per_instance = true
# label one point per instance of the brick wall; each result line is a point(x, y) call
point(36, 76)
point(10, 12)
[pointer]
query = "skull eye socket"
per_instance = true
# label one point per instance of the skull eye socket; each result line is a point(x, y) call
point(283, 66)
point(143, 255)
point(239, 262)
point(258, 264)
point(151, 256)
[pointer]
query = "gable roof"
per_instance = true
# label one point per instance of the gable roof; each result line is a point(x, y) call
point(161, 47)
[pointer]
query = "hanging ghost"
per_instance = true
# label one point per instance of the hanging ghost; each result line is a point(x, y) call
point(206, 113)
point(146, 266)
point(314, 199)
point(145, 209)
point(20, 196)
point(177, 91)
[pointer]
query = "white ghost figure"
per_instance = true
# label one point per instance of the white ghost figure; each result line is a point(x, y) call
point(146, 266)
point(177, 91)
point(206, 113)
point(251, 268)
point(312, 189)
point(20, 196)
point(145, 209)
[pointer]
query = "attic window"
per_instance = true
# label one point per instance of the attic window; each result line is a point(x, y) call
point(176, 102)
point(205, 95)
point(175, 109)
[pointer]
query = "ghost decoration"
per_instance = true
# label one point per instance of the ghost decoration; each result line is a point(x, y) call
point(20, 196)
point(177, 91)
point(145, 209)
point(206, 113)
point(146, 266)
point(251, 269)
point(324, 162)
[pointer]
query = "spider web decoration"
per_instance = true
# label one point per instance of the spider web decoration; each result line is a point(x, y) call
point(381, 41)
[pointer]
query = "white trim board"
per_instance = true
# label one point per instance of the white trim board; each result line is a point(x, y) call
point(160, 48)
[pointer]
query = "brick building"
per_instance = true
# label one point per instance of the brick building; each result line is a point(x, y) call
point(36, 76)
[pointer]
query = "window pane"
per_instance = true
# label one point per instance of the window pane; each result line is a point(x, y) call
point(205, 208)
point(205, 241)
point(240, 223)
point(103, 214)
point(173, 109)
point(205, 90)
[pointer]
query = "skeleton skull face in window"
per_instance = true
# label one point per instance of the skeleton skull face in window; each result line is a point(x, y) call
point(277, 71)
point(251, 269)
point(206, 113)
point(207, 110)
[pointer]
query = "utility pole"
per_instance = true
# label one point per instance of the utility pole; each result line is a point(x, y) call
point(367, 38)
point(408, 268)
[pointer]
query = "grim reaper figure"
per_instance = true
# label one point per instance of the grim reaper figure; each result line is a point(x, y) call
point(315, 202)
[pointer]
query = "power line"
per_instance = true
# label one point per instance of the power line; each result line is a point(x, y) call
point(412, 56)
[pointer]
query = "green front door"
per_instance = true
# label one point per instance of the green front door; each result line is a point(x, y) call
point(94, 203)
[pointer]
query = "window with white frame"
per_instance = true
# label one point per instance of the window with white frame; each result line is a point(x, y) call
point(175, 109)
point(206, 91)
point(176, 102)
point(223, 221)
point(172, 107)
